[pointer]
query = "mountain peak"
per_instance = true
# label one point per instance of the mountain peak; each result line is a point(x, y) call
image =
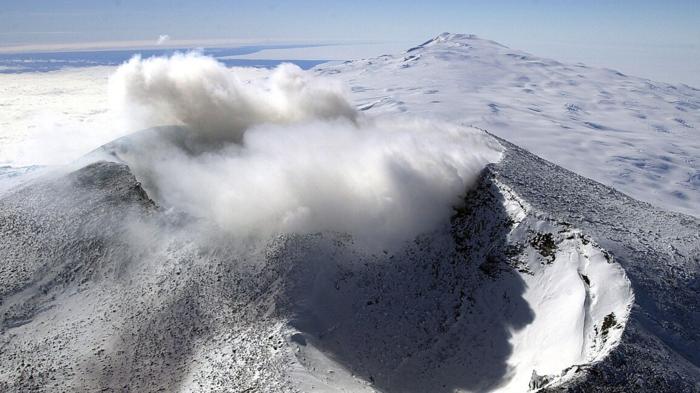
point(449, 37)
point(446, 36)
point(458, 39)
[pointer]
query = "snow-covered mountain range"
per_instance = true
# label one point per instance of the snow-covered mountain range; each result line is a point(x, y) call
point(128, 270)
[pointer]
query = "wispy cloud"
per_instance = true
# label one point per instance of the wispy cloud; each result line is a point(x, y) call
point(162, 39)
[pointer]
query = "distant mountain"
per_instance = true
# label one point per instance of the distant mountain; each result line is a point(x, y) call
point(638, 136)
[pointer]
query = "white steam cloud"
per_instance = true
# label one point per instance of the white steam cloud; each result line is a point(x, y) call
point(201, 93)
point(289, 153)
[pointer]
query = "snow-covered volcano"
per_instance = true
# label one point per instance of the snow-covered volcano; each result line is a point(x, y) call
point(121, 274)
point(638, 136)
point(105, 290)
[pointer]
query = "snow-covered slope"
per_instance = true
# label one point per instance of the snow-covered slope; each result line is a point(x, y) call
point(638, 136)
point(541, 279)
point(660, 253)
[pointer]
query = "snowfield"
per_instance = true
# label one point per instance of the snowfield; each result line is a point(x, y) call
point(635, 135)
point(389, 248)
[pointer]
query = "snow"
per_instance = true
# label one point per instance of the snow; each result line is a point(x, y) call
point(658, 251)
point(174, 308)
point(638, 136)
point(569, 310)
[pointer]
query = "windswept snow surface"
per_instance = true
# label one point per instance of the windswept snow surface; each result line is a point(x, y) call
point(638, 136)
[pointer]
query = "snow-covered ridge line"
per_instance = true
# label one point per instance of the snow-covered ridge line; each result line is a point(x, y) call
point(453, 38)
point(580, 298)
point(658, 251)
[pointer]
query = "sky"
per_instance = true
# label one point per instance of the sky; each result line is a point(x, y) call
point(655, 39)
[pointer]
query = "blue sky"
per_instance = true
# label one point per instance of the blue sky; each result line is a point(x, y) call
point(85, 20)
point(591, 31)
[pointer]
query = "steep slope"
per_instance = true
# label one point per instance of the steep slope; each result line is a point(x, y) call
point(638, 136)
point(660, 253)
